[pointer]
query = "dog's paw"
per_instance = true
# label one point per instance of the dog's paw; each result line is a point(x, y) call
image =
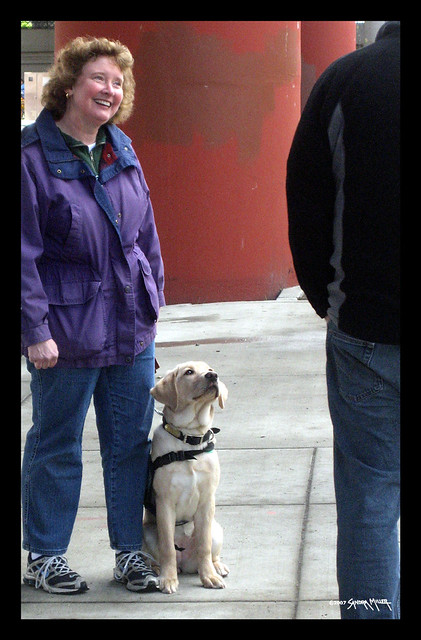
point(212, 581)
point(221, 568)
point(168, 584)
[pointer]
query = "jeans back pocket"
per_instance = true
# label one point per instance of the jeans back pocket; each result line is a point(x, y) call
point(356, 379)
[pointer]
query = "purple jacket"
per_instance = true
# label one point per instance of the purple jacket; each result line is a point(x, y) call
point(92, 272)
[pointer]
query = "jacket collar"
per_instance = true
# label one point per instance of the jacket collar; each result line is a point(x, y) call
point(61, 161)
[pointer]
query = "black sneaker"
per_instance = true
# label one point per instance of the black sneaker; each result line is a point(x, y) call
point(52, 573)
point(132, 571)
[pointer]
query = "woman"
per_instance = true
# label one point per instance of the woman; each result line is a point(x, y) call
point(92, 286)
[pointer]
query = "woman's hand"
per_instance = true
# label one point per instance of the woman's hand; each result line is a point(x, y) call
point(43, 354)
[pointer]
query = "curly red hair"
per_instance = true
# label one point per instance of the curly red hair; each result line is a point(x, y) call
point(68, 67)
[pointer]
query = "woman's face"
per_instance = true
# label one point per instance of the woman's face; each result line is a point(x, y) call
point(98, 91)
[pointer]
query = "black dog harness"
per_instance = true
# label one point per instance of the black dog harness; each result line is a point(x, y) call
point(176, 456)
point(180, 456)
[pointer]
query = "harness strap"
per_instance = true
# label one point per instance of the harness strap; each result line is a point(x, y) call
point(180, 456)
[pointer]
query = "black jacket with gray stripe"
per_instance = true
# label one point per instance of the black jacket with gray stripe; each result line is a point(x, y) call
point(343, 187)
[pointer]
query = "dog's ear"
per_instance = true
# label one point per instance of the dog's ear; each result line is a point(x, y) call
point(165, 391)
point(223, 394)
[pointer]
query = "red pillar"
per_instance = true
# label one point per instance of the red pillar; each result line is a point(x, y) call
point(217, 104)
point(322, 42)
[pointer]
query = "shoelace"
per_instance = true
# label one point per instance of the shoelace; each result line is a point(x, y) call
point(135, 560)
point(58, 563)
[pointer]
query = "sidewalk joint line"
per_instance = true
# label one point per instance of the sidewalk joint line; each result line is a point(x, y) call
point(303, 535)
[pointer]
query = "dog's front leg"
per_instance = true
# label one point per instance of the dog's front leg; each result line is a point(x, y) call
point(203, 534)
point(165, 519)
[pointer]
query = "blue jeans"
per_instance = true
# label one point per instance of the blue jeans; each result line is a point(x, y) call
point(52, 464)
point(363, 380)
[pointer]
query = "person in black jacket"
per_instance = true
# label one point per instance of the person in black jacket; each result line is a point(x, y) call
point(343, 192)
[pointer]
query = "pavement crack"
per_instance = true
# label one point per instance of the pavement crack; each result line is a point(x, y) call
point(303, 534)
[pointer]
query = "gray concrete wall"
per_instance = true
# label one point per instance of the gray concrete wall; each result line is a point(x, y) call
point(37, 49)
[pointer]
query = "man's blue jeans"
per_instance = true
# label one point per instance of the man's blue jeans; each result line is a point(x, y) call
point(52, 465)
point(363, 380)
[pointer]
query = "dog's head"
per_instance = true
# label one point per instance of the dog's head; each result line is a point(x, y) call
point(188, 384)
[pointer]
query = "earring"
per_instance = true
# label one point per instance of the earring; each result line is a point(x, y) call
point(67, 95)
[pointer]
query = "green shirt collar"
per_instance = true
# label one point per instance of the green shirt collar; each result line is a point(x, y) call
point(81, 150)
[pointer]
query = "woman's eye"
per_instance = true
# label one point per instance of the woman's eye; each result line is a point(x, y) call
point(100, 78)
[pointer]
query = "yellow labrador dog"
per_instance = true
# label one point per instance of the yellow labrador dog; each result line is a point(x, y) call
point(183, 534)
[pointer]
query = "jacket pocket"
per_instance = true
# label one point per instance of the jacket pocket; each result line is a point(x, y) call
point(73, 246)
point(76, 317)
point(149, 283)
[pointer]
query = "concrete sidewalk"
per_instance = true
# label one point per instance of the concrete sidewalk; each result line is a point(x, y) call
point(275, 500)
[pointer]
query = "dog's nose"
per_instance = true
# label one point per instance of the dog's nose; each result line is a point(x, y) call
point(212, 375)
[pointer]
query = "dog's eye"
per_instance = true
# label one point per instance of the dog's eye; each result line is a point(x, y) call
point(189, 372)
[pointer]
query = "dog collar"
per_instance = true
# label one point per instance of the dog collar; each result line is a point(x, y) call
point(177, 433)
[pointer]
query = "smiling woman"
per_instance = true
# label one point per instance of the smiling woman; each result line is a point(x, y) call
point(70, 65)
point(93, 100)
point(92, 286)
